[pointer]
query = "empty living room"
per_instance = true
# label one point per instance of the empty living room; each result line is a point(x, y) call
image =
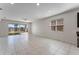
point(39, 28)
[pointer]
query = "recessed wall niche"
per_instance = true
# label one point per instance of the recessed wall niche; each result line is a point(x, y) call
point(57, 25)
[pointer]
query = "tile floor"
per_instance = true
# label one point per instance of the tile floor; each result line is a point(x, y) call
point(26, 44)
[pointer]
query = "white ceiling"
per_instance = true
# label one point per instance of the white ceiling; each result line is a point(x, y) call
point(32, 11)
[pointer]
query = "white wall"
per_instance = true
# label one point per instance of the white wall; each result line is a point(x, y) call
point(3, 29)
point(41, 27)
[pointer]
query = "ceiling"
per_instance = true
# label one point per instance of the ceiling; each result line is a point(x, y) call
point(31, 11)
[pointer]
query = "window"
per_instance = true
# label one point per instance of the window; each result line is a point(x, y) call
point(53, 25)
point(57, 25)
point(60, 28)
point(60, 25)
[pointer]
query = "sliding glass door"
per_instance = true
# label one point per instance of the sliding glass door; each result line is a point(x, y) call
point(22, 28)
point(16, 28)
point(13, 29)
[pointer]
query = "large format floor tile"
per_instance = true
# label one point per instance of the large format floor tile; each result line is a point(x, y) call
point(26, 44)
